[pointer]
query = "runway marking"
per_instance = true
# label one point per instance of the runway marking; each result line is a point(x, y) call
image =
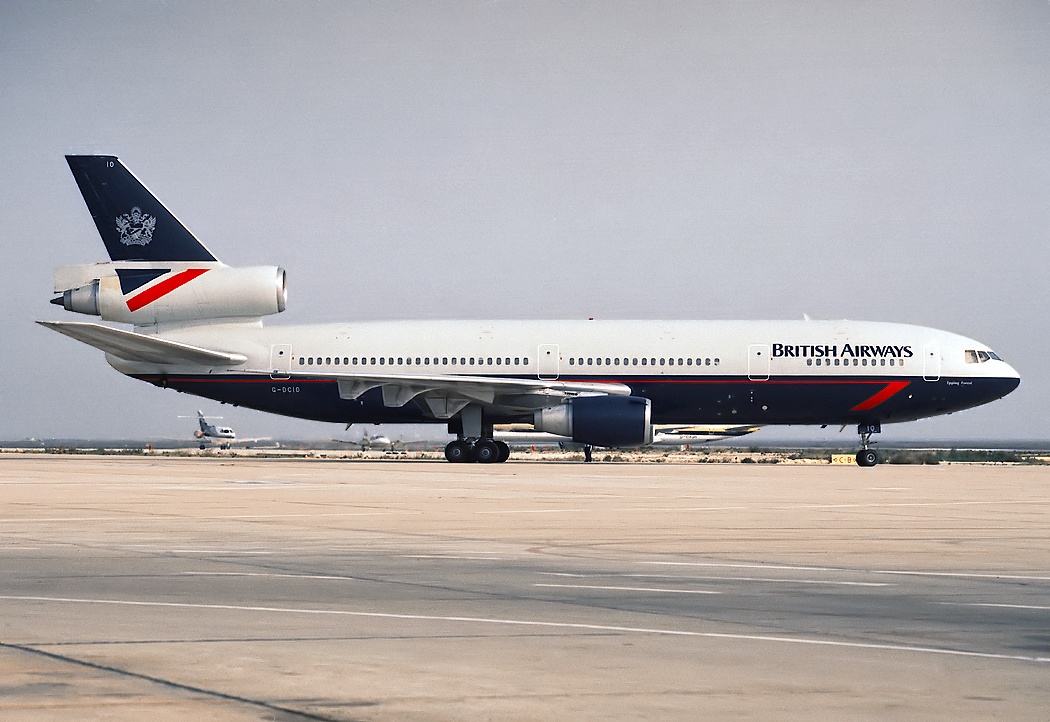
point(535, 511)
point(449, 556)
point(216, 551)
point(262, 574)
point(549, 625)
point(961, 575)
point(780, 580)
point(989, 604)
point(628, 589)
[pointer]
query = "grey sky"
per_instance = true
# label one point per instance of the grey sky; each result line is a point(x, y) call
point(870, 160)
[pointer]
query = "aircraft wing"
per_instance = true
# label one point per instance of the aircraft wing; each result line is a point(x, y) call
point(139, 347)
point(447, 395)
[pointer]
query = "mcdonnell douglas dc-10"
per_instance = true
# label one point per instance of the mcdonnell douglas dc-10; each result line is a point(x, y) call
point(197, 328)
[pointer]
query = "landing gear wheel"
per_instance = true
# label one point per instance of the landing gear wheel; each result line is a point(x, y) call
point(867, 457)
point(459, 452)
point(488, 451)
point(504, 451)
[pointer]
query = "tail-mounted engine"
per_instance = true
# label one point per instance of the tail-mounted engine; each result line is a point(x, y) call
point(142, 293)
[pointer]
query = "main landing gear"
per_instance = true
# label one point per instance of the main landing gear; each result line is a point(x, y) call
point(483, 451)
point(474, 440)
point(866, 456)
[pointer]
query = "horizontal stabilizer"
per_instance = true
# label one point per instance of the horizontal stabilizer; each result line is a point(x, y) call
point(138, 347)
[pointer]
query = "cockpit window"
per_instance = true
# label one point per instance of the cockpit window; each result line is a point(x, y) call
point(979, 357)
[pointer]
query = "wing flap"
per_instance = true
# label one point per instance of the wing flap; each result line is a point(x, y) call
point(139, 347)
point(445, 396)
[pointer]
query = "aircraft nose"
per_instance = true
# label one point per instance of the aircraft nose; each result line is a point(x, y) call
point(1009, 379)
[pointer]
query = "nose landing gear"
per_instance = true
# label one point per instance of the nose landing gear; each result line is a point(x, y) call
point(866, 456)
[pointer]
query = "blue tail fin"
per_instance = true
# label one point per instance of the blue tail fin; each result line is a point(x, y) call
point(133, 224)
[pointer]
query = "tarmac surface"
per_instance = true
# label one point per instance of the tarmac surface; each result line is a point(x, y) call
point(230, 589)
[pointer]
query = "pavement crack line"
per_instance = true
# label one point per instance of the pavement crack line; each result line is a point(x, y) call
point(294, 713)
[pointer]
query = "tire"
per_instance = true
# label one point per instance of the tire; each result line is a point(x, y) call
point(504, 451)
point(867, 457)
point(488, 451)
point(459, 452)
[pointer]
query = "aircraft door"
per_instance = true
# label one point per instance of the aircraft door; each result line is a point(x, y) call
point(931, 362)
point(758, 362)
point(280, 361)
point(547, 361)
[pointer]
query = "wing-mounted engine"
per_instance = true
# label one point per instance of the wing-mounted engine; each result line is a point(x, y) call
point(151, 293)
point(600, 420)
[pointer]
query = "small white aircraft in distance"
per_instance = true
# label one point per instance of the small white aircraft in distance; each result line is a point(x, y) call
point(664, 435)
point(369, 442)
point(222, 435)
point(197, 328)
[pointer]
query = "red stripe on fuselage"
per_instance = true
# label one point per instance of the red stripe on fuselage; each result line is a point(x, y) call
point(163, 288)
point(892, 389)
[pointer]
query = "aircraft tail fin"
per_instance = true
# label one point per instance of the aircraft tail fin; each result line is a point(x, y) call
point(134, 225)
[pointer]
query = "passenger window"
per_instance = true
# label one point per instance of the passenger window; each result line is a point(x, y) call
point(310, 361)
point(809, 362)
point(572, 361)
point(444, 361)
point(517, 361)
point(606, 362)
point(836, 362)
point(689, 362)
point(716, 362)
point(426, 361)
point(679, 362)
point(652, 362)
point(525, 360)
point(590, 362)
point(617, 362)
point(499, 361)
point(864, 362)
point(892, 361)
point(634, 362)
point(407, 361)
point(661, 362)
point(453, 360)
point(381, 360)
point(707, 362)
point(328, 362)
point(644, 362)
point(400, 360)
point(373, 361)
point(883, 362)
point(417, 360)
point(302, 361)
point(490, 362)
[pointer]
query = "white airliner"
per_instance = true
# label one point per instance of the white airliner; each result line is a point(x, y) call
point(198, 329)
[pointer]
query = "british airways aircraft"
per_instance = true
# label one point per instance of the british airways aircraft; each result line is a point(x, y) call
point(197, 328)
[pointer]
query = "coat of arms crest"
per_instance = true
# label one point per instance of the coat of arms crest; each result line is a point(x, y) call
point(136, 228)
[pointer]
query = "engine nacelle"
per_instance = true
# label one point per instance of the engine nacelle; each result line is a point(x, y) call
point(187, 292)
point(600, 420)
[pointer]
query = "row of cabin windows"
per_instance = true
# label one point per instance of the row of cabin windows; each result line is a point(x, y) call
point(644, 362)
point(408, 361)
point(856, 362)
